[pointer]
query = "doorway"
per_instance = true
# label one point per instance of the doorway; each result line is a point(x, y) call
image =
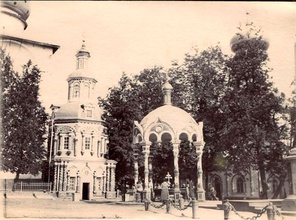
point(85, 191)
point(217, 183)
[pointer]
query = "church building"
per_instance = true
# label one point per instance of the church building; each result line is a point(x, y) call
point(79, 142)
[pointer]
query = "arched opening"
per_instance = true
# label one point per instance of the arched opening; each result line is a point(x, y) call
point(240, 185)
point(194, 137)
point(162, 160)
point(152, 138)
point(76, 91)
point(187, 163)
point(166, 137)
point(183, 137)
point(217, 183)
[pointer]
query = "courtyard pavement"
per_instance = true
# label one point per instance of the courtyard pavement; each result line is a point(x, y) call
point(41, 206)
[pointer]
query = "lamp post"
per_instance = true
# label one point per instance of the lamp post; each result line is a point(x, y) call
point(53, 108)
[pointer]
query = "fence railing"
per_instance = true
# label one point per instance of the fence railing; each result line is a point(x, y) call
point(270, 209)
point(24, 186)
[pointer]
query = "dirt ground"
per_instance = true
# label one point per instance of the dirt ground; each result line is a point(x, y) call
point(34, 208)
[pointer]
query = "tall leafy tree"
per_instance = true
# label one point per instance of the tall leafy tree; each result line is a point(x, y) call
point(131, 100)
point(251, 135)
point(199, 86)
point(23, 119)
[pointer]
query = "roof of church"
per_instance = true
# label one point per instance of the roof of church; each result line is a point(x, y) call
point(81, 73)
point(76, 110)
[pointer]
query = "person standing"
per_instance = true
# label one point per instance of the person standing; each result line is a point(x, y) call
point(187, 197)
point(213, 192)
point(164, 196)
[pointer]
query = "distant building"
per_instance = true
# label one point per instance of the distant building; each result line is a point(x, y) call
point(79, 141)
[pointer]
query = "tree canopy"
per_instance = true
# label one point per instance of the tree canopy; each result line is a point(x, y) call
point(23, 119)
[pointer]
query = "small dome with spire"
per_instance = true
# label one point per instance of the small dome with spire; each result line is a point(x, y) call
point(82, 71)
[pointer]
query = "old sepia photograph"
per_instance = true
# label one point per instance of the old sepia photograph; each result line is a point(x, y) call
point(148, 110)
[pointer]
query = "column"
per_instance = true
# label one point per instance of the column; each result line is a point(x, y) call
point(136, 166)
point(55, 176)
point(75, 147)
point(200, 189)
point(55, 147)
point(112, 178)
point(61, 142)
point(94, 185)
point(92, 144)
point(98, 149)
point(78, 182)
point(146, 151)
point(68, 180)
point(60, 177)
point(107, 178)
point(82, 142)
point(103, 183)
point(150, 179)
point(176, 171)
point(103, 144)
point(65, 175)
point(150, 166)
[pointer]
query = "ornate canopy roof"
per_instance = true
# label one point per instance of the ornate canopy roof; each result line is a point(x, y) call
point(167, 123)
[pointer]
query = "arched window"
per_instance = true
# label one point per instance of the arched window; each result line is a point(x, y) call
point(87, 143)
point(240, 185)
point(166, 137)
point(183, 137)
point(152, 138)
point(76, 91)
point(87, 89)
point(66, 142)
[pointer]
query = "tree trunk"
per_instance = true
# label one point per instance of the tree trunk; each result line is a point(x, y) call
point(263, 181)
point(17, 176)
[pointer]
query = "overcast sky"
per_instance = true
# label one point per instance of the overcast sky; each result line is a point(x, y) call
point(130, 36)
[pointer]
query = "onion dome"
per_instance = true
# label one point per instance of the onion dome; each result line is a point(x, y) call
point(17, 9)
point(239, 39)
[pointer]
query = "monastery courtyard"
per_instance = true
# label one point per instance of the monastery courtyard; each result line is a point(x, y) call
point(25, 206)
